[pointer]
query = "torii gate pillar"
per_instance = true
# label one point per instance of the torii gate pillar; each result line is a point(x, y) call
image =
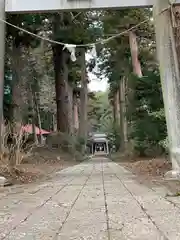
point(2, 52)
point(170, 80)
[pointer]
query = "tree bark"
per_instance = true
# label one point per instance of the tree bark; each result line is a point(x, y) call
point(60, 88)
point(16, 89)
point(137, 71)
point(54, 125)
point(75, 114)
point(60, 85)
point(83, 98)
point(70, 109)
point(116, 108)
point(38, 116)
point(134, 54)
point(68, 96)
point(123, 118)
point(33, 117)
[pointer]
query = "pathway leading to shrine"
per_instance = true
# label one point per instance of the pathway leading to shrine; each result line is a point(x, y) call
point(95, 200)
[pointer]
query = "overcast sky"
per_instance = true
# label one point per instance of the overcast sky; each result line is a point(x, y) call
point(96, 84)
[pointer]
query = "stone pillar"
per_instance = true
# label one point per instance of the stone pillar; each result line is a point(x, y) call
point(170, 78)
point(2, 51)
point(92, 148)
point(107, 147)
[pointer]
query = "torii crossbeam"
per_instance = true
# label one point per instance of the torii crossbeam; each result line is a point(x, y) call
point(74, 5)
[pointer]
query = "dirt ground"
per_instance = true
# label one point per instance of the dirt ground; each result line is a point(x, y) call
point(40, 165)
point(151, 172)
point(149, 168)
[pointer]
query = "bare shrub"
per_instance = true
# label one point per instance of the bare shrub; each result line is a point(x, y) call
point(66, 143)
point(15, 147)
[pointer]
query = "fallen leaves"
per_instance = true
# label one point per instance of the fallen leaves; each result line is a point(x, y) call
point(41, 165)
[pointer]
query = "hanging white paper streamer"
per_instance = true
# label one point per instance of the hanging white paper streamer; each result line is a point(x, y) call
point(72, 49)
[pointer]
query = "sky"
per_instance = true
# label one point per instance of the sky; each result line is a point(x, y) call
point(95, 84)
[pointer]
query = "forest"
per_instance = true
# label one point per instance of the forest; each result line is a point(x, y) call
point(46, 81)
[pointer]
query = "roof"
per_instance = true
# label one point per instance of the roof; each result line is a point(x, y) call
point(98, 137)
point(29, 129)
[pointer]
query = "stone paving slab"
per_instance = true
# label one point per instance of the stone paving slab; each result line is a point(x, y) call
point(161, 213)
point(95, 200)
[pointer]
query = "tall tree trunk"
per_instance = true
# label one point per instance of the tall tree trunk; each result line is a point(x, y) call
point(33, 117)
point(138, 72)
point(75, 114)
point(70, 109)
point(134, 54)
point(124, 103)
point(116, 109)
point(16, 88)
point(59, 87)
point(36, 102)
point(83, 99)
point(123, 118)
point(54, 125)
point(176, 28)
point(68, 96)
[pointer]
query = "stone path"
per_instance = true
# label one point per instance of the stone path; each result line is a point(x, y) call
point(95, 200)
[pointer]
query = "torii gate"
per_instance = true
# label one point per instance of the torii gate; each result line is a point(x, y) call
point(169, 69)
point(61, 5)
